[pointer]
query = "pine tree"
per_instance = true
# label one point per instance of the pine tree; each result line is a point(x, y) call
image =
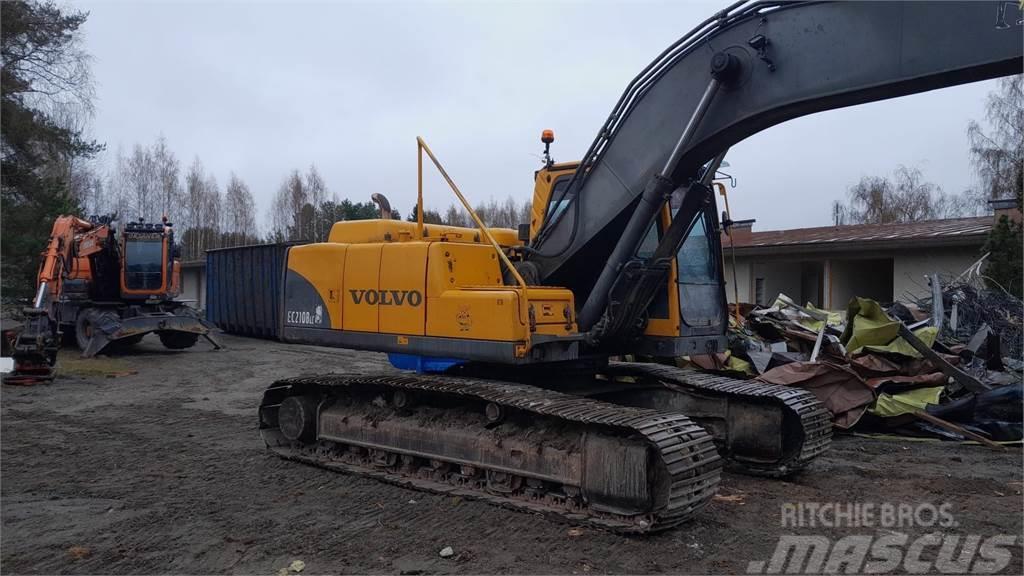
point(46, 84)
point(1005, 264)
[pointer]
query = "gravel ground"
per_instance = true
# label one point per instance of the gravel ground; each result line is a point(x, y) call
point(161, 470)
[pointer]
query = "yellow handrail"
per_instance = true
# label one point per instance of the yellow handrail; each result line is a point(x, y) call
point(422, 146)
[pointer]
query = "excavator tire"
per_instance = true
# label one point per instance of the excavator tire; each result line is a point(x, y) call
point(90, 318)
point(84, 325)
point(178, 340)
point(620, 468)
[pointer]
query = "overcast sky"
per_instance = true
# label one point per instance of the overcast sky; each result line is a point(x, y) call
point(261, 89)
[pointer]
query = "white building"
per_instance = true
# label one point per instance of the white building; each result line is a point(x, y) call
point(830, 264)
point(193, 283)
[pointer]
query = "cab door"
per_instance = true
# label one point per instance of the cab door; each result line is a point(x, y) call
point(699, 277)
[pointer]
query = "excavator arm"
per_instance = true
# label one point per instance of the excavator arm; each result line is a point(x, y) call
point(33, 345)
point(57, 257)
point(751, 66)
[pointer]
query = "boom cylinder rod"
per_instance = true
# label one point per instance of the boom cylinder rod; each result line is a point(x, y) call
point(691, 127)
point(655, 194)
point(40, 294)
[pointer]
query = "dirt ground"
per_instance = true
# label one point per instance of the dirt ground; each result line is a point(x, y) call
point(163, 471)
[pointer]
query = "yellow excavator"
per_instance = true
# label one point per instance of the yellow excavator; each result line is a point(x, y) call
point(509, 392)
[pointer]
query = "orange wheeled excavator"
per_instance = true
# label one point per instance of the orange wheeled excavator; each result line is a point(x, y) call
point(511, 393)
point(105, 287)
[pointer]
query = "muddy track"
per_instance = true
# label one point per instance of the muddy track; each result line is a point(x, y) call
point(164, 471)
point(810, 421)
point(681, 467)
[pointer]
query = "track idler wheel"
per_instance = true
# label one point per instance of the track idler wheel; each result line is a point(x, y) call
point(495, 413)
point(297, 418)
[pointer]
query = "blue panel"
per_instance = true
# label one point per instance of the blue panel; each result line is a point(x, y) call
point(243, 288)
point(422, 364)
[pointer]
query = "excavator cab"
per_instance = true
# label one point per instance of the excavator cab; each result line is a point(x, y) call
point(688, 316)
point(149, 268)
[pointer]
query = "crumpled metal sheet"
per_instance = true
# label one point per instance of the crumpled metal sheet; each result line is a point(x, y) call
point(874, 365)
point(839, 388)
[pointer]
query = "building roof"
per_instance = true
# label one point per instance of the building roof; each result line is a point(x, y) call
point(951, 232)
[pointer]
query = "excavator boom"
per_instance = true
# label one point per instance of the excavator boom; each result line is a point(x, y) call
point(783, 60)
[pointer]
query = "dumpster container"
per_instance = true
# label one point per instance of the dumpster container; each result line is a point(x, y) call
point(243, 289)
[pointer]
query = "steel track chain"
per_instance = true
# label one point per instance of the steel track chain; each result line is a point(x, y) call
point(687, 450)
point(815, 419)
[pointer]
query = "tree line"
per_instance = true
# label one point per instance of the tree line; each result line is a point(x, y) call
point(150, 183)
point(303, 210)
point(507, 214)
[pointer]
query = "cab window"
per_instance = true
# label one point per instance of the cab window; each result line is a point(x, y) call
point(143, 264)
point(697, 262)
point(559, 199)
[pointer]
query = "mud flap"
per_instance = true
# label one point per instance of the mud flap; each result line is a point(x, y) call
point(107, 329)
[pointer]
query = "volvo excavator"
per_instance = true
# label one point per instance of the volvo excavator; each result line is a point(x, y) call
point(509, 391)
point(105, 287)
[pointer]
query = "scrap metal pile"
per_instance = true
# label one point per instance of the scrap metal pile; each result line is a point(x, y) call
point(967, 309)
point(952, 371)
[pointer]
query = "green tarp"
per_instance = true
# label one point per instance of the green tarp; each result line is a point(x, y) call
point(901, 346)
point(889, 405)
point(869, 329)
point(834, 318)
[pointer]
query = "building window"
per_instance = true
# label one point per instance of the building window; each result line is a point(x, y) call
point(759, 292)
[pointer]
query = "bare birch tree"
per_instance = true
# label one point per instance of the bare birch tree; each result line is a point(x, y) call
point(140, 184)
point(194, 202)
point(239, 212)
point(457, 216)
point(167, 180)
point(998, 154)
point(906, 197)
point(212, 213)
point(316, 192)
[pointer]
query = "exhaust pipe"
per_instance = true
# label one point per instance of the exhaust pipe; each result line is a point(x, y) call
point(383, 205)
